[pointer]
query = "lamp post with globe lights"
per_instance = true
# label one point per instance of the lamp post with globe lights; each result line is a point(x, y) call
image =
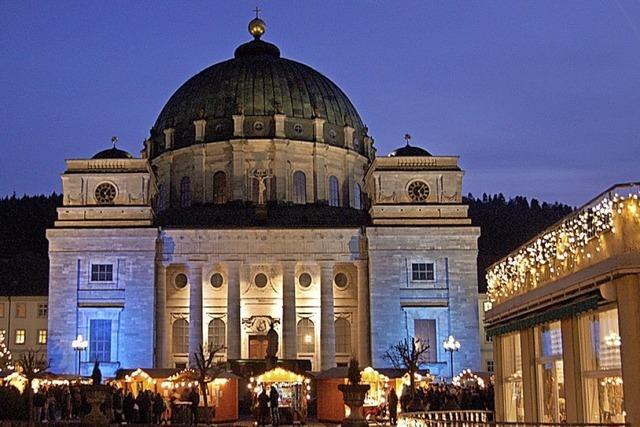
point(79, 345)
point(451, 345)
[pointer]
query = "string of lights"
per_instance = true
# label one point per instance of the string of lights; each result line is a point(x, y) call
point(577, 239)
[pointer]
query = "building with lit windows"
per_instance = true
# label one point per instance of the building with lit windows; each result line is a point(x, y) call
point(565, 318)
point(23, 323)
point(258, 199)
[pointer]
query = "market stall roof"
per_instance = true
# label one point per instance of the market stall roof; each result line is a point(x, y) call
point(157, 373)
point(280, 375)
point(341, 372)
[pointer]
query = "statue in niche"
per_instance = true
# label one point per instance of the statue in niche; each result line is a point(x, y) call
point(272, 343)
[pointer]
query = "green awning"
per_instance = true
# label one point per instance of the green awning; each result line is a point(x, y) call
point(555, 313)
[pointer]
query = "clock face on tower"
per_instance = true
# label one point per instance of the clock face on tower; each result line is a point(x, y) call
point(105, 193)
point(418, 191)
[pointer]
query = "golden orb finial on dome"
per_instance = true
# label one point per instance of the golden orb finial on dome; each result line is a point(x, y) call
point(257, 27)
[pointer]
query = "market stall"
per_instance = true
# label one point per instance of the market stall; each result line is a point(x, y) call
point(293, 390)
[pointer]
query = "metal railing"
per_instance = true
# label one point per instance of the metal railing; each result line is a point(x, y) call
point(478, 419)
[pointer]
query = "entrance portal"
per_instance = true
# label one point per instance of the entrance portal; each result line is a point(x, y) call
point(258, 346)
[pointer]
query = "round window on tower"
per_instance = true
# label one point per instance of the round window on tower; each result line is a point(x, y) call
point(258, 126)
point(305, 280)
point(216, 280)
point(297, 128)
point(180, 281)
point(219, 128)
point(341, 280)
point(418, 191)
point(105, 193)
point(260, 280)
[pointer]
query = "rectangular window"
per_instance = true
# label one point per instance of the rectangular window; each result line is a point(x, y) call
point(511, 363)
point(550, 371)
point(20, 336)
point(42, 336)
point(423, 271)
point(490, 366)
point(600, 346)
point(21, 310)
point(102, 272)
point(425, 331)
point(100, 340)
point(42, 310)
point(1, 309)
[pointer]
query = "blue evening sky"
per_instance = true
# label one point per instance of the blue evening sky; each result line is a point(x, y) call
point(539, 98)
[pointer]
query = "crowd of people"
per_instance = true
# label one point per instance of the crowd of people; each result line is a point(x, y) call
point(65, 403)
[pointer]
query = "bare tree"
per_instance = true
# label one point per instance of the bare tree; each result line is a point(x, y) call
point(408, 354)
point(32, 363)
point(207, 369)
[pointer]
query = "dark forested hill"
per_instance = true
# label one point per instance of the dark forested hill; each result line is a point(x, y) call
point(506, 224)
point(24, 264)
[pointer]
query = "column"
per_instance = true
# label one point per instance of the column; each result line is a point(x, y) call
point(289, 334)
point(498, 389)
point(364, 333)
point(327, 318)
point(162, 346)
point(628, 295)
point(530, 391)
point(195, 310)
point(233, 310)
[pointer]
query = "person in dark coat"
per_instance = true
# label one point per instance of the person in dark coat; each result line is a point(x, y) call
point(194, 398)
point(263, 408)
point(273, 404)
point(393, 407)
point(117, 406)
point(158, 408)
point(127, 407)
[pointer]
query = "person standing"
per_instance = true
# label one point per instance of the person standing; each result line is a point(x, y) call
point(194, 398)
point(273, 403)
point(263, 407)
point(393, 407)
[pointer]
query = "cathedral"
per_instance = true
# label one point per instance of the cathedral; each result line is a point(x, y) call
point(258, 199)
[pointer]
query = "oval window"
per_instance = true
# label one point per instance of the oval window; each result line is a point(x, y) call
point(216, 280)
point(305, 280)
point(341, 280)
point(261, 280)
point(181, 281)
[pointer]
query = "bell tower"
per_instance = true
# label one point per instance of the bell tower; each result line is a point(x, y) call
point(112, 189)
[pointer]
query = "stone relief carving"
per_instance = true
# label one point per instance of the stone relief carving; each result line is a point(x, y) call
point(455, 197)
point(259, 325)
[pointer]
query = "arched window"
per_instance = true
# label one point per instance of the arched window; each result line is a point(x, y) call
point(357, 196)
point(217, 333)
point(334, 191)
point(219, 187)
point(299, 187)
point(343, 336)
point(180, 335)
point(185, 192)
point(306, 336)
point(159, 202)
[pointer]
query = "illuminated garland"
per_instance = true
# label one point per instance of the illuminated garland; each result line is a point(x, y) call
point(466, 377)
point(558, 250)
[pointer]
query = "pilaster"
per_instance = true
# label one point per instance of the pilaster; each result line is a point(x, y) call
point(327, 318)
point(628, 294)
point(233, 310)
point(289, 334)
point(162, 342)
point(195, 310)
point(364, 335)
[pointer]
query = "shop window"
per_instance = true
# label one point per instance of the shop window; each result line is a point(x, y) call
point(100, 340)
point(180, 336)
point(306, 336)
point(511, 364)
point(550, 371)
point(423, 271)
point(600, 346)
point(343, 336)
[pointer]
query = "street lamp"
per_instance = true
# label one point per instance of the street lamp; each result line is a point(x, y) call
point(451, 345)
point(79, 345)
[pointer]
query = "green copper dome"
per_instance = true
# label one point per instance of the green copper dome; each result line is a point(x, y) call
point(257, 83)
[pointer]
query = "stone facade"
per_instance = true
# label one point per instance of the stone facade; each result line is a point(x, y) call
point(23, 323)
